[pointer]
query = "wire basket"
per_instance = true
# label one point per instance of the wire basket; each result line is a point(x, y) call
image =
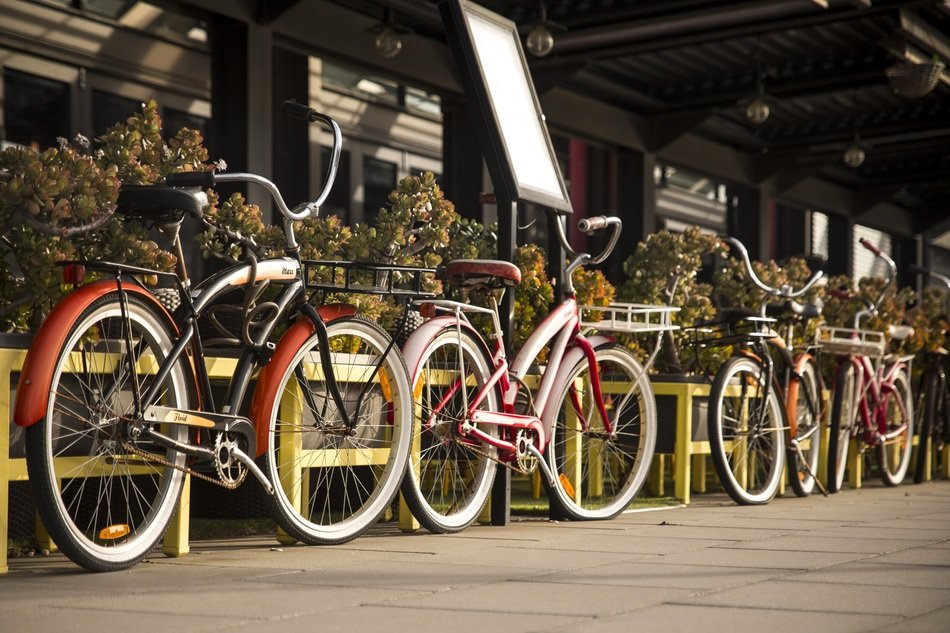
point(733, 332)
point(845, 341)
point(633, 318)
point(363, 278)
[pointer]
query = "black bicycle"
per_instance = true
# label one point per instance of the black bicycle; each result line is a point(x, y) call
point(118, 405)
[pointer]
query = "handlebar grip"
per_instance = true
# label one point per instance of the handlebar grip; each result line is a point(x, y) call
point(203, 179)
point(298, 110)
point(871, 247)
point(596, 223)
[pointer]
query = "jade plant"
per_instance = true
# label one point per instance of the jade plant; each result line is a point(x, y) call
point(58, 204)
point(664, 270)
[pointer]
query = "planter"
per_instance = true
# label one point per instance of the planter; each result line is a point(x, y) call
point(682, 406)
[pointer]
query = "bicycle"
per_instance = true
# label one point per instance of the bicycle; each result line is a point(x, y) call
point(765, 400)
point(933, 400)
point(118, 406)
point(871, 400)
point(589, 425)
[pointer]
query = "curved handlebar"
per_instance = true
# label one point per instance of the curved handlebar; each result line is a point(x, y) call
point(785, 292)
point(926, 272)
point(891, 276)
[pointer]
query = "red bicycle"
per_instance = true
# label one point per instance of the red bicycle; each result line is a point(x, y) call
point(871, 403)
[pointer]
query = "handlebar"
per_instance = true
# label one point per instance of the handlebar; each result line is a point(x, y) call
point(926, 272)
point(588, 226)
point(786, 291)
point(891, 276)
point(303, 210)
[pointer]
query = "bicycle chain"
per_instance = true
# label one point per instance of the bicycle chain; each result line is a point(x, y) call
point(185, 469)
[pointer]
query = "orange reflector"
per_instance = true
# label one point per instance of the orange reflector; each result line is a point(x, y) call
point(566, 484)
point(74, 274)
point(427, 310)
point(417, 389)
point(114, 531)
point(385, 386)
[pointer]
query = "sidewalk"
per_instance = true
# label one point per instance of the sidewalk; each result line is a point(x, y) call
point(876, 559)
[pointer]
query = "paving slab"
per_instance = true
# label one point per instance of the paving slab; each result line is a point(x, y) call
point(877, 559)
point(677, 618)
point(828, 598)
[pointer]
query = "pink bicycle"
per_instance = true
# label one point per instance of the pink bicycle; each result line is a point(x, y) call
point(871, 403)
point(588, 423)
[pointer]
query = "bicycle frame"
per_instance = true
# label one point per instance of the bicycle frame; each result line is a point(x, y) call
point(877, 383)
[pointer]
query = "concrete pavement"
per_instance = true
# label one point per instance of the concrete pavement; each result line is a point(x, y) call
point(875, 559)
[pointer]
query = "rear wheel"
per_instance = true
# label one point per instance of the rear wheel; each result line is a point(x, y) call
point(333, 481)
point(805, 447)
point(746, 432)
point(845, 409)
point(104, 505)
point(893, 452)
point(926, 412)
point(601, 470)
point(448, 477)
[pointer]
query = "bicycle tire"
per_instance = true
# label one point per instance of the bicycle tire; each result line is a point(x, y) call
point(893, 453)
point(749, 457)
point(448, 479)
point(105, 508)
point(844, 412)
point(600, 474)
point(926, 409)
point(332, 484)
point(805, 448)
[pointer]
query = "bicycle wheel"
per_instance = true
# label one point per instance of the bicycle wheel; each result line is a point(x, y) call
point(805, 448)
point(332, 482)
point(893, 451)
point(104, 506)
point(926, 411)
point(845, 403)
point(600, 472)
point(449, 478)
point(746, 432)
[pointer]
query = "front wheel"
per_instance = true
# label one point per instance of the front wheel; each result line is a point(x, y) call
point(333, 481)
point(449, 476)
point(845, 409)
point(105, 505)
point(805, 446)
point(893, 450)
point(746, 431)
point(600, 470)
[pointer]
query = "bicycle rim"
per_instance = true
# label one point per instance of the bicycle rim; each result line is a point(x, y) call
point(893, 452)
point(805, 450)
point(746, 432)
point(598, 473)
point(104, 507)
point(844, 417)
point(332, 483)
point(448, 477)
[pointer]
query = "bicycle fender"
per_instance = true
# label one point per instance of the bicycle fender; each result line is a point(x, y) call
point(571, 357)
point(419, 340)
point(33, 387)
point(265, 394)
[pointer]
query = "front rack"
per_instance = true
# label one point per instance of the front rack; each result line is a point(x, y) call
point(732, 332)
point(845, 341)
point(365, 278)
point(633, 318)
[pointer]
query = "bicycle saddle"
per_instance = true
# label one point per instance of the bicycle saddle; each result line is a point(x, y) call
point(900, 332)
point(803, 310)
point(494, 273)
point(165, 205)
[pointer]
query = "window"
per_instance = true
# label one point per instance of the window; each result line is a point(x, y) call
point(174, 120)
point(109, 109)
point(371, 88)
point(338, 201)
point(818, 240)
point(684, 198)
point(864, 263)
point(36, 110)
point(379, 179)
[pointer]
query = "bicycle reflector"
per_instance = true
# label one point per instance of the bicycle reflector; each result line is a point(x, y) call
point(74, 274)
point(113, 532)
point(427, 310)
